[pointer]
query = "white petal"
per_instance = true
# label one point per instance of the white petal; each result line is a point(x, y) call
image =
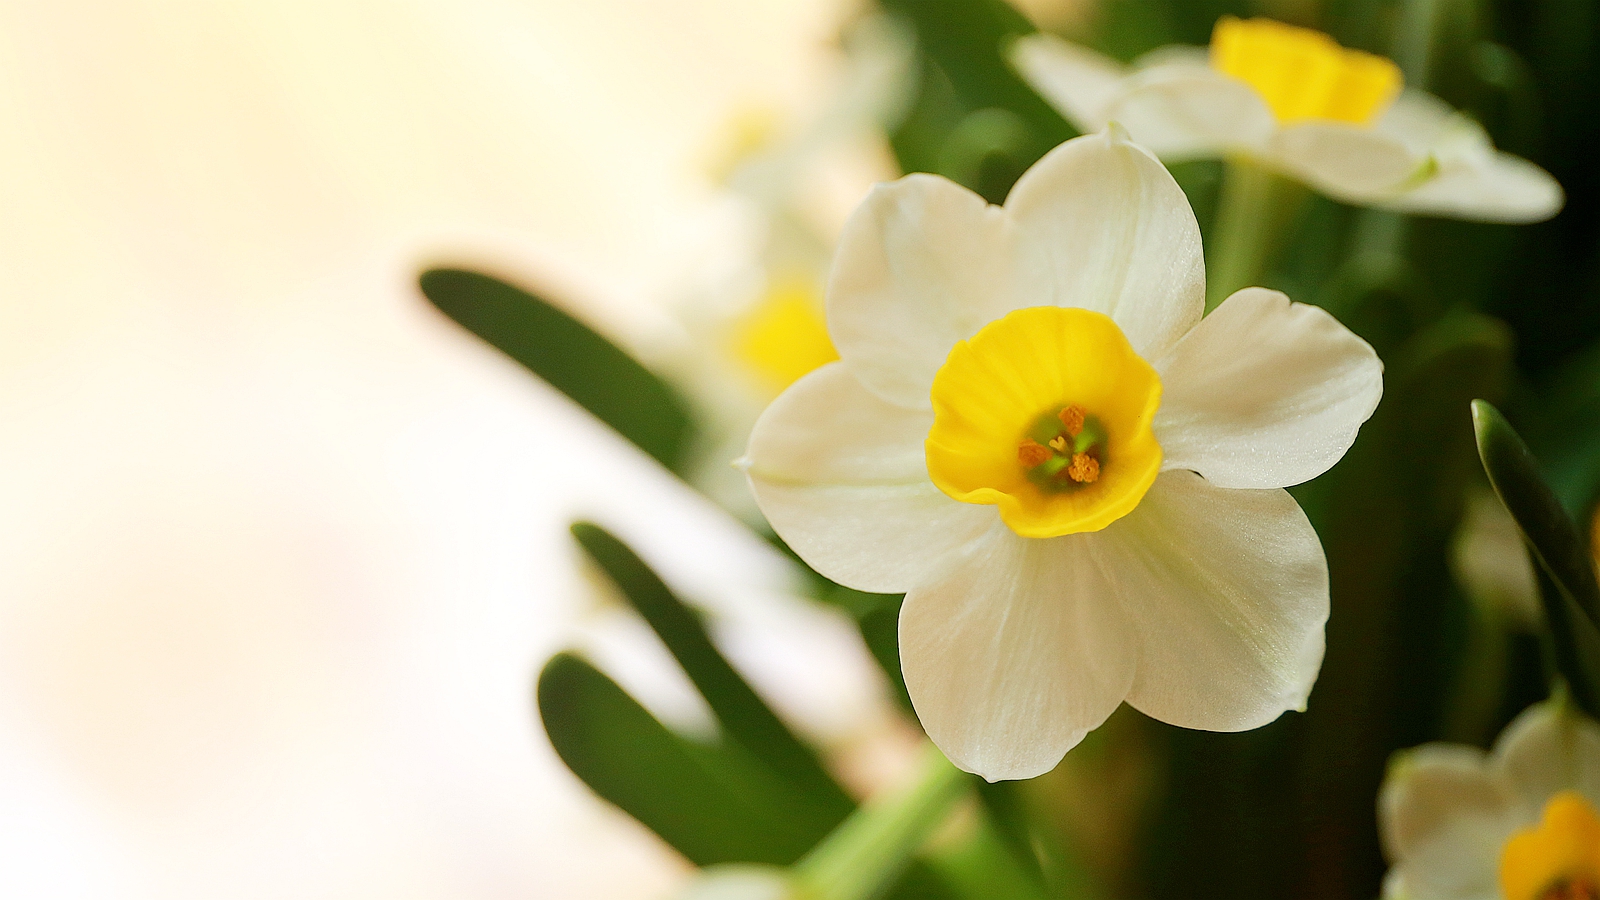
point(1264, 393)
point(1228, 590)
point(1497, 188)
point(1429, 788)
point(1549, 748)
point(1461, 863)
point(1102, 226)
point(1015, 653)
point(1419, 119)
point(1191, 112)
point(1472, 180)
point(1346, 162)
point(1077, 81)
point(1443, 796)
point(841, 476)
point(922, 264)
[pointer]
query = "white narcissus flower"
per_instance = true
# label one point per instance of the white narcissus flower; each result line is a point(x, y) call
point(1294, 101)
point(1075, 479)
point(1517, 823)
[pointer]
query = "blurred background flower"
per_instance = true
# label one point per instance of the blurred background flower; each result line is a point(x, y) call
point(280, 548)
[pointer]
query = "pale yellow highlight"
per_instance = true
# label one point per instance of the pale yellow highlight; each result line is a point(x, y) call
point(993, 388)
point(784, 336)
point(1304, 75)
point(1558, 858)
point(749, 131)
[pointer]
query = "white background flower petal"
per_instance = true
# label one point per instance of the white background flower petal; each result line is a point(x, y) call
point(1443, 817)
point(1433, 784)
point(922, 264)
point(1494, 187)
point(1229, 592)
point(1013, 655)
point(1264, 393)
point(1183, 111)
point(1419, 119)
point(1546, 750)
point(1346, 162)
point(1462, 863)
point(1077, 81)
point(1103, 226)
point(841, 476)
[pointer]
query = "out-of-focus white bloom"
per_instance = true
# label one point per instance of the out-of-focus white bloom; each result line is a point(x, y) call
point(1295, 102)
point(757, 324)
point(1076, 481)
point(1518, 823)
point(1491, 561)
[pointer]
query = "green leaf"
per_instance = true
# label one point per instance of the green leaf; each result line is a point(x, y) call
point(744, 717)
point(1572, 607)
point(712, 803)
point(974, 121)
point(574, 358)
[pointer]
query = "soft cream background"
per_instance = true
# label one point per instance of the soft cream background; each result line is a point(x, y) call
point(281, 549)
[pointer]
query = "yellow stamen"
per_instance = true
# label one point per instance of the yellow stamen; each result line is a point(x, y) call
point(1557, 859)
point(1072, 419)
point(1304, 74)
point(1031, 453)
point(784, 336)
point(1005, 388)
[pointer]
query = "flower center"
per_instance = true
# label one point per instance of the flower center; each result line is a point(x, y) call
point(1046, 413)
point(1558, 859)
point(1304, 74)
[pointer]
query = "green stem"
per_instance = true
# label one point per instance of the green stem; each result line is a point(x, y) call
point(864, 853)
point(1252, 212)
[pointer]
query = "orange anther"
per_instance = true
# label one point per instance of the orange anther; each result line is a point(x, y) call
point(1031, 453)
point(1072, 420)
point(1085, 469)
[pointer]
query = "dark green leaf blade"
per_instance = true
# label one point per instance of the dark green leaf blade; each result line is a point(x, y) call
point(709, 804)
point(744, 716)
point(574, 358)
point(1555, 538)
point(1568, 587)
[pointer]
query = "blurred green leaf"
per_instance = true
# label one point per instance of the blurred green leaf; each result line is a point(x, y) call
point(712, 803)
point(974, 121)
point(574, 358)
point(1560, 416)
point(743, 715)
point(1572, 602)
point(983, 866)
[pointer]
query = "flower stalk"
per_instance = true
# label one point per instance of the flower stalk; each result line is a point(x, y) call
point(871, 847)
point(1255, 207)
